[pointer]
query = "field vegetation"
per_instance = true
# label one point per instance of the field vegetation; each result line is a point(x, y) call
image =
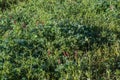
point(59, 39)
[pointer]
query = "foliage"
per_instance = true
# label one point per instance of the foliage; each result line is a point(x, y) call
point(60, 40)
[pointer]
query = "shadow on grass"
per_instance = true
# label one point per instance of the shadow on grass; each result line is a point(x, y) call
point(87, 36)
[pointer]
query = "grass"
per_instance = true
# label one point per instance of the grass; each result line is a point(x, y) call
point(60, 39)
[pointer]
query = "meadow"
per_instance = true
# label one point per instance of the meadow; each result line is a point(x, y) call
point(59, 39)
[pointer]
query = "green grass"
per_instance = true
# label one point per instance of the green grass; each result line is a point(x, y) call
point(60, 40)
